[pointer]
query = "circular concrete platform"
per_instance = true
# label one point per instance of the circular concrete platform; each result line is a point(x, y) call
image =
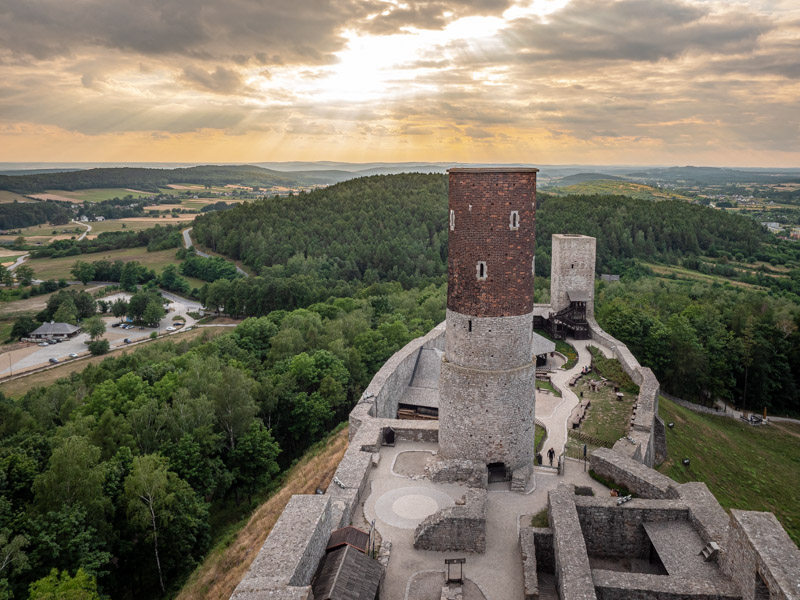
point(406, 507)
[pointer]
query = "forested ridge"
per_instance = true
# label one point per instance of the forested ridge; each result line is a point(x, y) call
point(150, 180)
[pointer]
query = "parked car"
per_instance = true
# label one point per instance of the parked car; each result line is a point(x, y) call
point(179, 324)
point(116, 324)
point(170, 329)
point(73, 355)
point(54, 361)
point(127, 340)
point(43, 344)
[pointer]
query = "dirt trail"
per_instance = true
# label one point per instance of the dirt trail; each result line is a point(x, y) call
point(222, 570)
point(777, 425)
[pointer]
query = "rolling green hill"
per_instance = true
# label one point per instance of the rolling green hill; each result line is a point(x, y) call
point(616, 186)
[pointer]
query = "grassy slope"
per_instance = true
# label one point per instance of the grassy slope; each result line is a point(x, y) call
point(626, 188)
point(6, 196)
point(233, 553)
point(752, 468)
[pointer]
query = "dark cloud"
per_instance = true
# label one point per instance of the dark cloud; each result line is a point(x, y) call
point(236, 30)
point(632, 30)
point(219, 81)
point(429, 15)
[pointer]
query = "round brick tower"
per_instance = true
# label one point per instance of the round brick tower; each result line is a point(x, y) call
point(487, 384)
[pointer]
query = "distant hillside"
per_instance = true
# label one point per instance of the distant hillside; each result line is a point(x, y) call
point(583, 177)
point(151, 179)
point(716, 176)
point(616, 186)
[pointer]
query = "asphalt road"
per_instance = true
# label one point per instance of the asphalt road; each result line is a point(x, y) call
point(187, 241)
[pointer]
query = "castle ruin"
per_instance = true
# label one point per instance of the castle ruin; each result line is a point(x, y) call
point(423, 487)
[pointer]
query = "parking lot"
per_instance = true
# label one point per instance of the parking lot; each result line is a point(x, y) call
point(34, 356)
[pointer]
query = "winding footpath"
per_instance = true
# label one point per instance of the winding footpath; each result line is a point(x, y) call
point(557, 420)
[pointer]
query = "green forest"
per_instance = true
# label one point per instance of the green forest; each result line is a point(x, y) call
point(150, 180)
point(189, 430)
point(138, 464)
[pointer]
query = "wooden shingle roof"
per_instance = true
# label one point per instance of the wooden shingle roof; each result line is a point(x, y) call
point(347, 574)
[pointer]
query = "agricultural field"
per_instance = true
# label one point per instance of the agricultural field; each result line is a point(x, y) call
point(680, 273)
point(624, 188)
point(99, 227)
point(57, 268)
point(6, 196)
point(90, 195)
point(9, 257)
point(746, 467)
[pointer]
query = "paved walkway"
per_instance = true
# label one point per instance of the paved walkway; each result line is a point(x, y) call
point(556, 417)
point(498, 572)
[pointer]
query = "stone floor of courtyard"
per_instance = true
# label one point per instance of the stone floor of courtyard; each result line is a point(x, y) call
point(399, 497)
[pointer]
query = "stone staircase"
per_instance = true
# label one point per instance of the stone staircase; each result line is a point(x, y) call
point(547, 587)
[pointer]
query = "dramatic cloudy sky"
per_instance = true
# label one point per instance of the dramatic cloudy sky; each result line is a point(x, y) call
point(713, 82)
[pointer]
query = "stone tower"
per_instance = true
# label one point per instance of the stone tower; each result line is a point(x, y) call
point(487, 382)
point(572, 270)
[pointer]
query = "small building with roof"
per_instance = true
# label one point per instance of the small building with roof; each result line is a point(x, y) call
point(54, 330)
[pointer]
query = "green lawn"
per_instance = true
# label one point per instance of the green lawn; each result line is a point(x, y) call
point(539, 434)
point(751, 468)
point(546, 385)
point(117, 225)
point(607, 418)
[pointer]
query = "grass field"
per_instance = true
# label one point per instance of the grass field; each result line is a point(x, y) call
point(689, 275)
point(117, 225)
point(57, 268)
point(91, 195)
point(624, 188)
point(607, 418)
point(751, 468)
point(6, 196)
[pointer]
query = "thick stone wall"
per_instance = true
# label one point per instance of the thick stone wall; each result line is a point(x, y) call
point(471, 473)
point(573, 573)
point(612, 531)
point(482, 231)
point(627, 472)
point(291, 552)
point(759, 550)
point(487, 416)
point(572, 269)
point(495, 343)
point(460, 528)
point(613, 585)
point(381, 397)
point(530, 579)
point(708, 518)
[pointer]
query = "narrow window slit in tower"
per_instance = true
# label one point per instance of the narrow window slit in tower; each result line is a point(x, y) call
point(452, 220)
point(514, 220)
point(469, 326)
point(481, 270)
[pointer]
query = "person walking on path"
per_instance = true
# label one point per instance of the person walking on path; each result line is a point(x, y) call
point(550, 455)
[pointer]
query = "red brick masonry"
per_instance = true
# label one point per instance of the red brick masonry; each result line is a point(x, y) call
point(482, 200)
